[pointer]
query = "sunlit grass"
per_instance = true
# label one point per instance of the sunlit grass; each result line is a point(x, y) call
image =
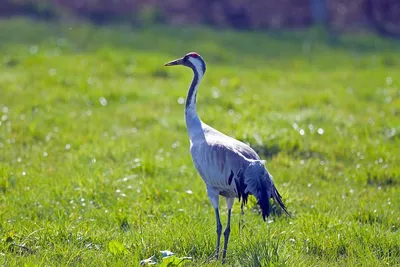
point(94, 149)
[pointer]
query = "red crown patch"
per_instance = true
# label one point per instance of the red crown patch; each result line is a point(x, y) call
point(192, 54)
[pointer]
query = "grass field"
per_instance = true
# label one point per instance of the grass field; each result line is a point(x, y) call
point(95, 167)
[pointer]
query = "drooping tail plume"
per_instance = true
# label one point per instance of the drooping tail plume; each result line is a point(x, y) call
point(257, 181)
point(278, 198)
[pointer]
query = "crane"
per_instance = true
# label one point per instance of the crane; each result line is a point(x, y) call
point(228, 167)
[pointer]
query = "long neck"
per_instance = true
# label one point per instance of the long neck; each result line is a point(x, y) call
point(193, 122)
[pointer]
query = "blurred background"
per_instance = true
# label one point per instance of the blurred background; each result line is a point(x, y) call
point(95, 168)
point(381, 16)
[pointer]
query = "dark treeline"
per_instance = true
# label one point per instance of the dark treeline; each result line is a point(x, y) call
point(383, 16)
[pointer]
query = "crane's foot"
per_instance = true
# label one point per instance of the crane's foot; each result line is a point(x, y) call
point(224, 257)
point(213, 256)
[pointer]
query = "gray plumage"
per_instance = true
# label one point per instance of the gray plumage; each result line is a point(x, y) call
point(217, 156)
point(228, 167)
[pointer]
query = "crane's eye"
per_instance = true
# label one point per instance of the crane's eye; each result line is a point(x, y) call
point(185, 58)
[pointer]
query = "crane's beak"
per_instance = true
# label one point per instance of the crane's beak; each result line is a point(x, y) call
point(178, 61)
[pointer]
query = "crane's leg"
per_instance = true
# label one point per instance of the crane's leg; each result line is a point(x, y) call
point(213, 195)
point(219, 232)
point(227, 232)
point(241, 220)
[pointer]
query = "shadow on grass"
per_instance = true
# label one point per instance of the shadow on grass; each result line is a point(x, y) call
point(382, 178)
point(271, 150)
point(267, 151)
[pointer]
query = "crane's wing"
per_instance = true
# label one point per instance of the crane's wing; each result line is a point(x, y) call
point(214, 136)
point(219, 158)
point(218, 163)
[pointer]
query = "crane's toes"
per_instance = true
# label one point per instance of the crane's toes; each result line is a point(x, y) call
point(213, 256)
point(224, 257)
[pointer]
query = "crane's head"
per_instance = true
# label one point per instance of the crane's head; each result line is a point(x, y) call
point(191, 60)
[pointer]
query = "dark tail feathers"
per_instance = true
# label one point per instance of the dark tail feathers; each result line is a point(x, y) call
point(257, 181)
point(278, 198)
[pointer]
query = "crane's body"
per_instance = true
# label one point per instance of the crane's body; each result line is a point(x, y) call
point(219, 158)
point(228, 167)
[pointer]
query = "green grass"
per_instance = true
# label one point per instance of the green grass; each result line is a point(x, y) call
point(94, 161)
